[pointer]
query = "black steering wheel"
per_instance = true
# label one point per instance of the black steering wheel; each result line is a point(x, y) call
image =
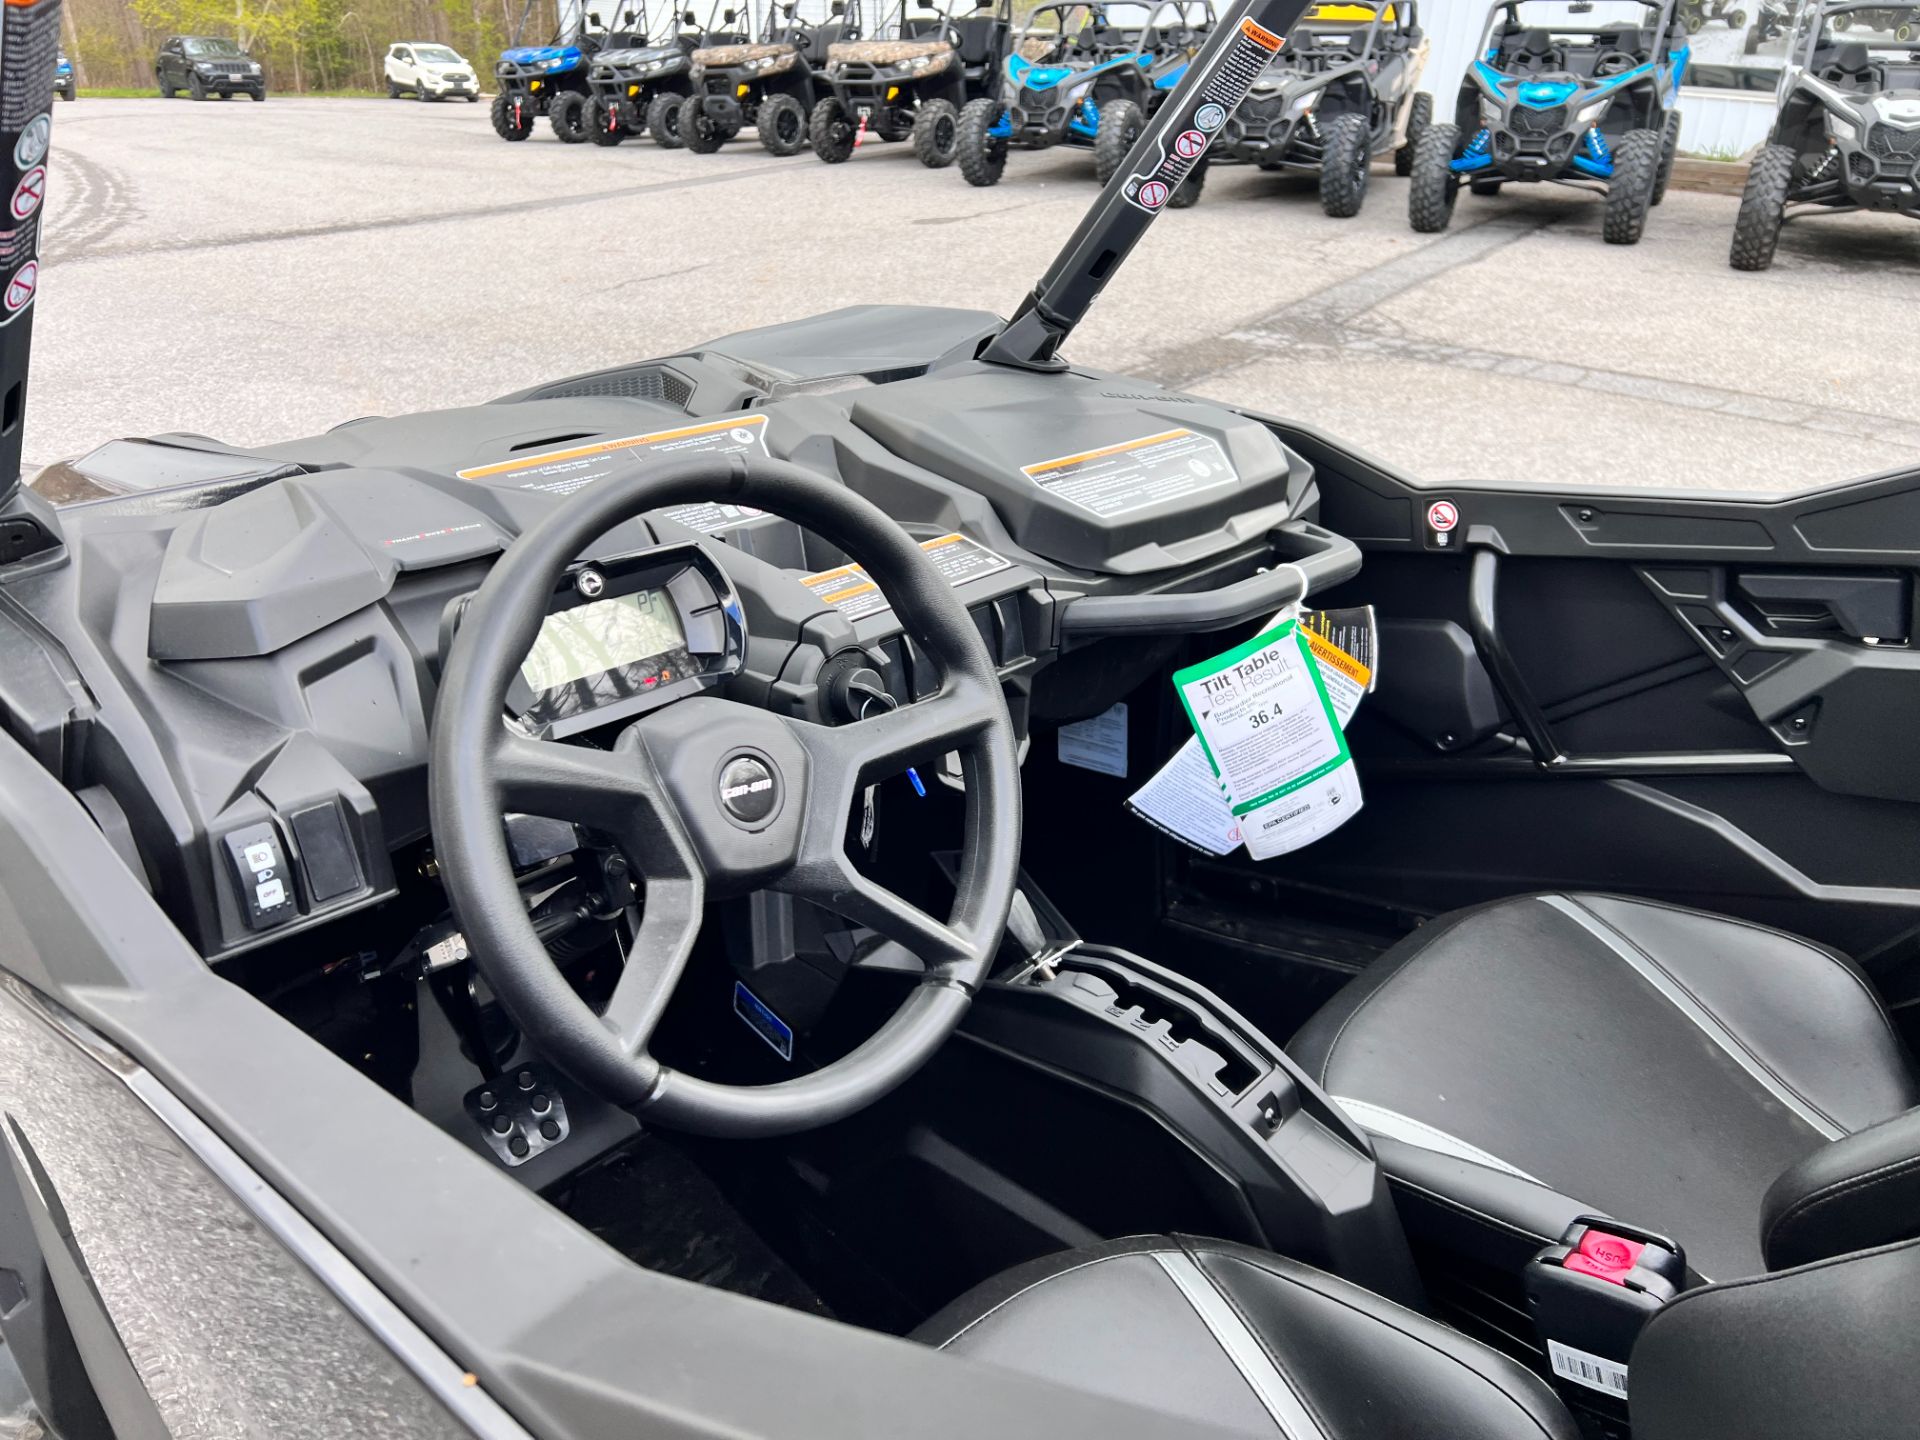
point(694, 821)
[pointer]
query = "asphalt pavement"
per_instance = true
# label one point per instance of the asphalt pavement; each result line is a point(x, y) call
point(255, 272)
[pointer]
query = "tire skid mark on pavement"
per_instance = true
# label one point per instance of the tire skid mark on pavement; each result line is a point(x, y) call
point(1336, 322)
point(98, 201)
point(540, 203)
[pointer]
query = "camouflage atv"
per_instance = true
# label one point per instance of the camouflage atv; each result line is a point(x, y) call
point(771, 85)
point(914, 83)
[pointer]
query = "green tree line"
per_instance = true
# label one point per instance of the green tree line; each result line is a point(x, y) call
point(305, 45)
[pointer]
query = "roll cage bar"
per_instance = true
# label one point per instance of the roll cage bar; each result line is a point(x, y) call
point(948, 12)
point(1147, 40)
point(1405, 19)
point(1662, 12)
point(1811, 28)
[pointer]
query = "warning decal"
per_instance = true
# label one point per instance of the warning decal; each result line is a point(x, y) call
point(1222, 89)
point(849, 590)
point(561, 472)
point(1134, 474)
point(29, 46)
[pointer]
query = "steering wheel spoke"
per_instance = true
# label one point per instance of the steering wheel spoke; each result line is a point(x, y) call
point(669, 925)
point(849, 756)
point(825, 875)
point(607, 790)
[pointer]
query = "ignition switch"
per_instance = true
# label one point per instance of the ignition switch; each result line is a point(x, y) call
point(859, 694)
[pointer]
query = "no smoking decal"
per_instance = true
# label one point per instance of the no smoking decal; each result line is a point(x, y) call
point(28, 194)
point(1153, 194)
point(1188, 144)
point(1443, 516)
point(20, 289)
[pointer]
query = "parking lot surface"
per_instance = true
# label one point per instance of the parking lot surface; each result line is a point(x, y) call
point(253, 272)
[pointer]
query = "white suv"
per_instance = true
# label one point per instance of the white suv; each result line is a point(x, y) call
point(431, 72)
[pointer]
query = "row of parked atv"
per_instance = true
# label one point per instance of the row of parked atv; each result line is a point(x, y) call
point(1550, 96)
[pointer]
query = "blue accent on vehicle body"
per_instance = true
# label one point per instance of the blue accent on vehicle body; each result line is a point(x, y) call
point(1001, 129)
point(534, 54)
point(1544, 94)
point(1477, 155)
point(65, 67)
point(1587, 165)
point(1085, 120)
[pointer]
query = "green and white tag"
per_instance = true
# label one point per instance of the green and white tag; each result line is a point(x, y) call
point(1271, 734)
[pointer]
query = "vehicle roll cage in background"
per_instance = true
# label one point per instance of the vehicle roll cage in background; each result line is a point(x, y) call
point(1663, 13)
point(1812, 20)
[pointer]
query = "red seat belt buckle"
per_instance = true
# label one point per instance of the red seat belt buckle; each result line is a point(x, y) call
point(1605, 1257)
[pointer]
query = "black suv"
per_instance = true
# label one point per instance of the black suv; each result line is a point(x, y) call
point(205, 65)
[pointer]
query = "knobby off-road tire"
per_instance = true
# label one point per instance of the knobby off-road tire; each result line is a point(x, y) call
point(1763, 205)
point(936, 134)
point(831, 132)
point(1432, 191)
point(700, 132)
point(1418, 119)
point(982, 156)
point(1120, 125)
point(782, 125)
point(1344, 166)
point(567, 114)
point(502, 115)
point(1669, 151)
point(663, 120)
point(606, 125)
point(1186, 194)
point(1636, 165)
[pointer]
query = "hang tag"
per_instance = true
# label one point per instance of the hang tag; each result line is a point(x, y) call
point(1186, 798)
point(1270, 733)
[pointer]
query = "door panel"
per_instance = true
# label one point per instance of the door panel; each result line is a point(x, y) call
point(1703, 699)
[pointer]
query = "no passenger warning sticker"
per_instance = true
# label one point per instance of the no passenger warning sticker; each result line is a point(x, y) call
point(562, 472)
point(851, 591)
point(1135, 474)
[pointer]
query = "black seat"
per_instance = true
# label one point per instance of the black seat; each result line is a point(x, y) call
point(981, 38)
point(1238, 1338)
point(1735, 1087)
point(1242, 1340)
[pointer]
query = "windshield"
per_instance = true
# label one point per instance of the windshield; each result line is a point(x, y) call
point(211, 48)
point(436, 55)
point(1889, 32)
point(1563, 20)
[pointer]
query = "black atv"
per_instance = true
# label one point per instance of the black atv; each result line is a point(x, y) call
point(1343, 90)
point(550, 80)
point(1087, 75)
point(913, 83)
point(771, 85)
point(1848, 133)
point(638, 82)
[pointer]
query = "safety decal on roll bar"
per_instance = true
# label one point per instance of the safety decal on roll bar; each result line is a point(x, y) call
point(561, 472)
point(1226, 85)
point(29, 48)
point(1129, 475)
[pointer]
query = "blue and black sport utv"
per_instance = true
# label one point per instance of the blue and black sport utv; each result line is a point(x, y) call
point(550, 80)
point(1086, 75)
point(1555, 96)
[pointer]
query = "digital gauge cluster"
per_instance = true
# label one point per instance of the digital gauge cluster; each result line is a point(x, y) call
point(625, 634)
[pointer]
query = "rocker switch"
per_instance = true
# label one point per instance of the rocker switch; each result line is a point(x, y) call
point(260, 873)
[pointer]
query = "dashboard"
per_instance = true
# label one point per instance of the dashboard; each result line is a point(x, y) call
point(233, 661)
point(627, 634)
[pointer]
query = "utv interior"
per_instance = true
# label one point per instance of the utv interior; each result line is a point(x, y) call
point(616, 911)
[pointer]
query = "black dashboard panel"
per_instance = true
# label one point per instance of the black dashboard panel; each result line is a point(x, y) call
point(250, 656)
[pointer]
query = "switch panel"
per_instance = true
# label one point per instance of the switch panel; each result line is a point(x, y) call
point(261, 873)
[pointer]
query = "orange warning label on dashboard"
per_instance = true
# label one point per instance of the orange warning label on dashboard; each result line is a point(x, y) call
point(564, 471)
point(850, 590)
point(1261, 36)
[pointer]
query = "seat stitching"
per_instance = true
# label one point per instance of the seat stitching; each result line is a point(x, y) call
point(1399, 1329)
point(1839, 959)
point(1798, 1212)
point(1306, 1402)
point(1035, 1285)
point(1725, 1025)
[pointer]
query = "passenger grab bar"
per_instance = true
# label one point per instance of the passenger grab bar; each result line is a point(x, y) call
point(1306, 558)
